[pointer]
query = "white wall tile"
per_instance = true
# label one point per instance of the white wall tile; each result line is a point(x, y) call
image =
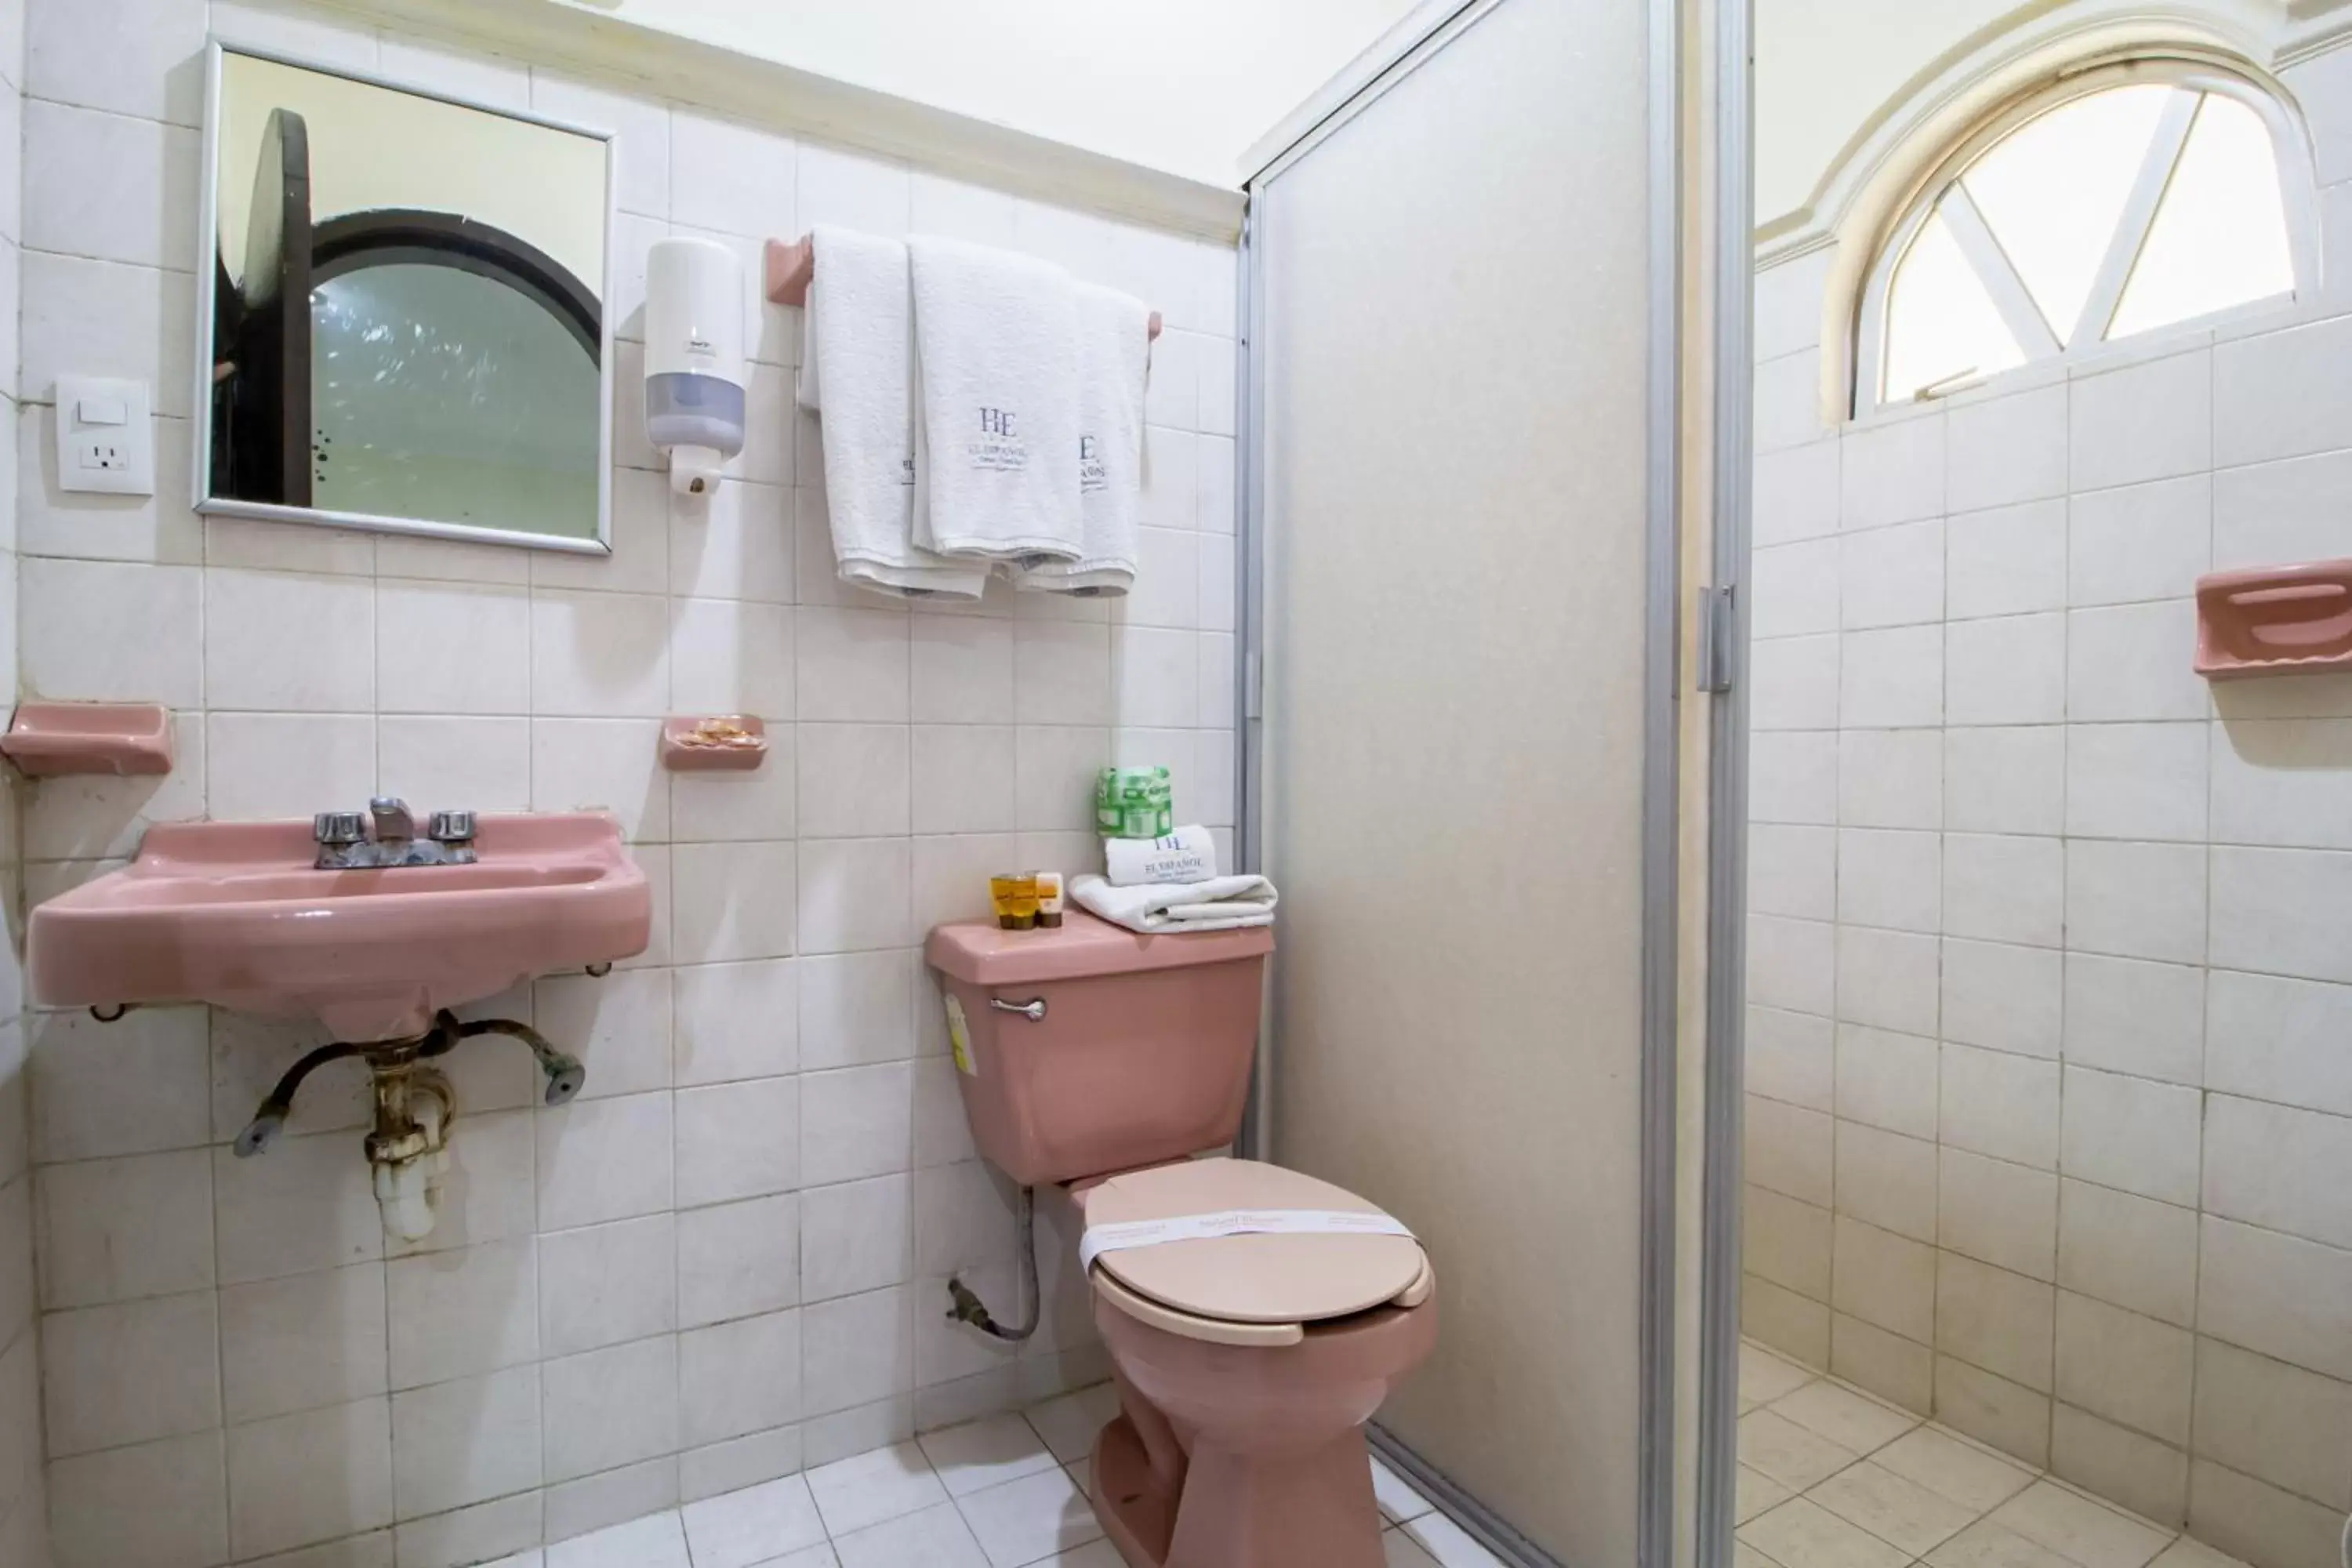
point(1787, 1150)
point(2274, 910)
point(154, 1503)
point(1996, 1213)
point(2008, 560)
point(2277, 1294)
point(607, 1284)
point(1889, 577)
point(1886, 1080)
point(2130, 661)
point(738, 1259)
point(1886, 1180)
point(1991, 1102)
point(1795, 683)
point(2004, 779)
point(1888, 878)
point(2002, 996)
point(736, 1020)
point(2282, 394)
point(1891, 679)
point(101, 632)
point(2141, 541)
point(737, 1139)
point(2003, 888)
point(2274, 1422)
point(1890, 778)
point(2007, 670)
point(730, 901)
point(306, 1206)
point(130, 1372)
point(2125, 1367)
point(1790, 1056)
point(2148, 421)
point(1793, 776)
point(2131, 1016)
point(2279, 1039)
point(2006, 449)
point(72, 154)
point(1791, 964)
point(603, 1160)
point(301, 1342)
point(2280, 1168)
point(1886, 979)
point(111, 1230)
point(611, 1407)
point(138, 58)
point(2136, 781)
point(1792, 871)
point(855, 1122)
point(740, 1377)
point(316, 1476)
point(2273, 512)
point(2132, 1133)
point(465, 1442)
point(2282, 782)
point(1892, 472)
point(2131, 1251)
point(1796, 493)
point(451, 648)
point(1995, 1319)
point(2137, 900)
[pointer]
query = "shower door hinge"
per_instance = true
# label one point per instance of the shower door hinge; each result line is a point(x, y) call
point(1715, 639)
point(1253, 687)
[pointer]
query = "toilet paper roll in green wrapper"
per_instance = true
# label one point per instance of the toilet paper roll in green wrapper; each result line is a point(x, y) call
point(1134, 803)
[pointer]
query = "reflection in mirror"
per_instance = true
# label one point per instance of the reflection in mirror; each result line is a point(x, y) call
point(407, 326)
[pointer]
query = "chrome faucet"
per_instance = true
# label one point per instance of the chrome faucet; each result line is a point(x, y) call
point(344, 843)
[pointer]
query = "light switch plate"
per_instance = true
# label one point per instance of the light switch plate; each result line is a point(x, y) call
point(106, 442)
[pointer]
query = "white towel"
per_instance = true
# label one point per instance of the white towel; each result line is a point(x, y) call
point(997, 378)
point(1187, 855)
point(1222, 903)
point(857, 374)
point(1114, 358)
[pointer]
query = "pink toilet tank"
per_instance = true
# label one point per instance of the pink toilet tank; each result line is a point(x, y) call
point(1139, 1054)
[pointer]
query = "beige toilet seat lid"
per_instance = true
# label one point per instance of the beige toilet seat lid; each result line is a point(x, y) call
point(1287, 1277)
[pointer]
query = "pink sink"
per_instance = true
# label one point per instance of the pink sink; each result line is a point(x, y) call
point(233, 914)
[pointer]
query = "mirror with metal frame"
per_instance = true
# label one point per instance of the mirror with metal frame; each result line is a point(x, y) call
point(403, 315)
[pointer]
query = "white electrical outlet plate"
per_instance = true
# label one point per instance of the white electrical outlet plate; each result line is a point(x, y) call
point(106, 440)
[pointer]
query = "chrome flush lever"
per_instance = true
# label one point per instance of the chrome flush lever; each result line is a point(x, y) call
point(1034, 1011)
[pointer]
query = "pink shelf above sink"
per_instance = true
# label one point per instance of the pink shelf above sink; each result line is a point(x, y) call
point(48, 739)
point(2274, 620)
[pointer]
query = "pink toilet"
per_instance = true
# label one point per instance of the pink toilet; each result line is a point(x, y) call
point(1100, 1061)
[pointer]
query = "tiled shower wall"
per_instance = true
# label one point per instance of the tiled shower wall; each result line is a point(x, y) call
point(2050, 1048)
point(726, 1259)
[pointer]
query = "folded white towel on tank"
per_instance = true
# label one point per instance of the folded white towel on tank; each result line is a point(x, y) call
point(1222, 903)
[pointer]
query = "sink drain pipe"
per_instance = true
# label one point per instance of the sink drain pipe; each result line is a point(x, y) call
point(408, 1146)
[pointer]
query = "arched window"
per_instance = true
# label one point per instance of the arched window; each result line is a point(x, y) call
point(2118, 201)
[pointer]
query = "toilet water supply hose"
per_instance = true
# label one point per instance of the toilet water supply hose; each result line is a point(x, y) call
point(969, 1309)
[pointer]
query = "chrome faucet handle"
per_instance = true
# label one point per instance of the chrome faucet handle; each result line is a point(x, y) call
point(338, 829)
point(394, 821)
point(451, 828)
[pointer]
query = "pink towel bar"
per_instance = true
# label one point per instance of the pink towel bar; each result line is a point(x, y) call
point(791, 267)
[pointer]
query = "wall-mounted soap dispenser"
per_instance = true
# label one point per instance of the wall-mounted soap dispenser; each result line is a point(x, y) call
point(694, 359)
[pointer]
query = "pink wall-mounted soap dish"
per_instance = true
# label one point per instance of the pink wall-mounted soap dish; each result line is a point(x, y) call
point(48, 739)
point(2274, 620)
point(722, 743)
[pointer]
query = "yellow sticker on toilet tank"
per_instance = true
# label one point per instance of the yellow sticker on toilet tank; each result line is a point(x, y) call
point(959, 1038)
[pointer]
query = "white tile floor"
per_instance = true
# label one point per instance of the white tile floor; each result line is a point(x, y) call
point(1006, 1492)
point(1831, 1477)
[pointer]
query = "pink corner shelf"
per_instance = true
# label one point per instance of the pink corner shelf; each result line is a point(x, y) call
point(2274, 620)
point(681, 754)
point(791, 267)
point(48, 739)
